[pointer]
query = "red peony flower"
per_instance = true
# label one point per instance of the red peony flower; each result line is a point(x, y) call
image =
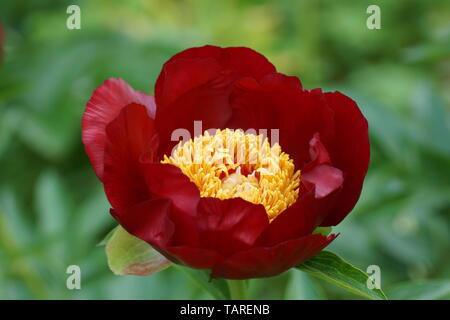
point(241, 203)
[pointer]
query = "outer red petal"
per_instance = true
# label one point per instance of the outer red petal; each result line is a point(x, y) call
point(261, 262)
point(151, 221)
point(320, 185)
point(195, 85)
point(193, 257)
point(350, 152)
point(301, 115)
point(244, 62)
point(129, 138)
point(105, 104)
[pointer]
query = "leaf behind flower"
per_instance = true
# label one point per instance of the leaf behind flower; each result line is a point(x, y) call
point(332, 268)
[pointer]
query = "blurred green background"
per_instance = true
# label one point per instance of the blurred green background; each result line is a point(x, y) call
point(52, 207)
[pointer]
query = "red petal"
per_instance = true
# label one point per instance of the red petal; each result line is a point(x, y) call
point(208, 103)
point(298, 220)
point(148, 220)
point(230, 225)
point(167, 181)
point(319, 171)
point(130, 136)
point(323, 183)
point(105, 105)
point(307, 115)
point(245, 62)
point(325, 178)
point(195, 85)
point(193, 257)
point(182, 75)
point(298, 115)
point(281, 81)
point(270, 261)
point(350, 152)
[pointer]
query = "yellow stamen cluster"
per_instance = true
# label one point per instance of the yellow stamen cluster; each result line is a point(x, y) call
point(233, 164)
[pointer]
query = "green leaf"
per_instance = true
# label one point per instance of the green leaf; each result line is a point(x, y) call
point(301, 286)
point(330, 267)
point(92, 224)
point(128, 255)
point(217, 288)
point(421, 290)
point(52, 203)
point(325, 231)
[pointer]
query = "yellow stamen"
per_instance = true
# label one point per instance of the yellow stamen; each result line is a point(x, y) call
point(232, 164)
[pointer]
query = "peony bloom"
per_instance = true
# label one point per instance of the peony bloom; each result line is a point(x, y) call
point(242, 203)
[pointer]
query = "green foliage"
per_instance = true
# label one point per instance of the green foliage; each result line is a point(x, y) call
point(217, 288)
point(422, 290)
point(330, 267)
point(53, 210)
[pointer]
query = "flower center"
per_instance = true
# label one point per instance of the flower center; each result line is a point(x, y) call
point(232, 164)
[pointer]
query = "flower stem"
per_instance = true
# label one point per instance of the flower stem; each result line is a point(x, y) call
point(238, 289)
